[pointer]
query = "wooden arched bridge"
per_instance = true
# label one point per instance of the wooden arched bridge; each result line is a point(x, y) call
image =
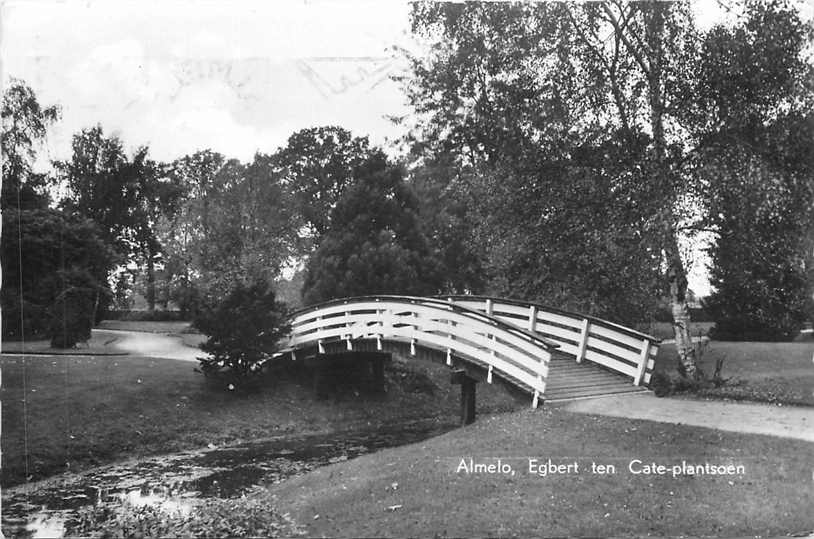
point(549, 353)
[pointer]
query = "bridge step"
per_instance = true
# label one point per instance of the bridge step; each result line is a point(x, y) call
point(570, 380)
point(588, 393)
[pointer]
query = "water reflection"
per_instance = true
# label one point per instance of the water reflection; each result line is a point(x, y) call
point(172, 483)
point(46, 524)
point(157, 500)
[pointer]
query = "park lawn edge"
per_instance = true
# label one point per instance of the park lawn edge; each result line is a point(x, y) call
point(415, 490)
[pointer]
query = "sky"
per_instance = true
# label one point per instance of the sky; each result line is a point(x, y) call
point(181, 76)
point(234, 76)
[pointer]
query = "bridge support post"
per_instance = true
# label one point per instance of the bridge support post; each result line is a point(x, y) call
point(468, 385)
point(377, 370)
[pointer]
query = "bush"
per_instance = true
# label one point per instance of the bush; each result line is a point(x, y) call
point(243, 329)
point(73, 310)
point(23, 319)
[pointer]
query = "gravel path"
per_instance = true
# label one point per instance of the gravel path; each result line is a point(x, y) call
point(151, 344)
point(754, 418)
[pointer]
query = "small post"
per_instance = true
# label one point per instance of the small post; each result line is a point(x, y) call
point(320, 348)
point(347, 326)
point(489, 307)
point(319, 382)
point(377, 369)
point(583, 340)
point(468, 386)
point(644, 358)
point(532, 318)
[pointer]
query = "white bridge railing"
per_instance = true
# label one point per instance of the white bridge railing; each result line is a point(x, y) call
point(514, 354)
point(613, 346)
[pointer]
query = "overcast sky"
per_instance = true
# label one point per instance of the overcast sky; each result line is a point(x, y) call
point(181, 76)
point(234, 76)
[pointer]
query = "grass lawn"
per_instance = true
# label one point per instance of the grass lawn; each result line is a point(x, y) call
point(71, 412)
point(759, 371)
point(146, 326)
point(96, 345)
point(664, 330)
point(417, 491)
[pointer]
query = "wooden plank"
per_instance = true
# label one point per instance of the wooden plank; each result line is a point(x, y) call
point(613, 350)
point(560, 382)
point(597, 386)
point(643, 360)
point(580, 393)
point(555, 377)
point(610, 363)
point(617, 336)
point(589, 377)
point(583, 340)
point(554, 333)
point(510, 311)
point(462, 350)
point(574, 321)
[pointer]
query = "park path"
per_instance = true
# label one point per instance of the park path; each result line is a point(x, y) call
point(753, 418)
point(150, 344)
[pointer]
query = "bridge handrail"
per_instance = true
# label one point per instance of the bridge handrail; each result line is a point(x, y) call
point(432, 301)
point(523, 303)
point(609, 344)
point(440, 325)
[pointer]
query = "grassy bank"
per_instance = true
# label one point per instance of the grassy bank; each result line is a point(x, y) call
point(71, 412)
point(758, 371)
point(416, 490)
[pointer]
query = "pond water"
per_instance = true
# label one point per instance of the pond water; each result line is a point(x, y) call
point(173, 482)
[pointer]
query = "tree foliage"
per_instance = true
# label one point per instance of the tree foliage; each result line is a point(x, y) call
point(375, 244)
point(25, 123)
point(124, 195)
point(235, 222)
point(446, 219)
point(317, 165)
point(54, 263)
point(754, 119)
point(578, 131)
point(243, 329)
point(46, 253)
point(547, 108)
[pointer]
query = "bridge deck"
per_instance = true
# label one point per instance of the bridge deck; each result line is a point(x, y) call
point(568, 379)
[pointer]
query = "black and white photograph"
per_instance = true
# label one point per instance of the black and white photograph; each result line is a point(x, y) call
point(357, 268)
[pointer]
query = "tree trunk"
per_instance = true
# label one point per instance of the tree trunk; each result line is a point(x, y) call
point(676, 274)
point(165, 291)
point(677, 277)
point(96, 309)
point(150, 293)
